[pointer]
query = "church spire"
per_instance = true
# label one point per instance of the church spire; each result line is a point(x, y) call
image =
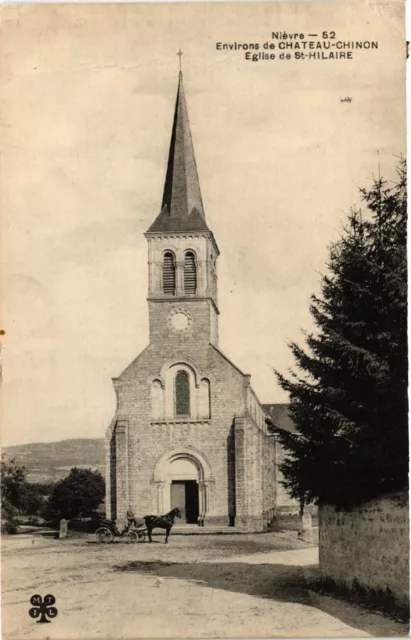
point(182, 205)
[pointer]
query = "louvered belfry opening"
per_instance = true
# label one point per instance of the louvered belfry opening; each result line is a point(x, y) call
point(182, 394)
point(169, 274)
point(190, 273)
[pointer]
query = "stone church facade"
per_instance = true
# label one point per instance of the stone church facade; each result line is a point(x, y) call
point(188, 430)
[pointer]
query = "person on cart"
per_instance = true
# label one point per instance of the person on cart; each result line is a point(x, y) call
point(131, 518)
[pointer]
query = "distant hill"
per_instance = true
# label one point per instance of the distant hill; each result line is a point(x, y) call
point(50, 461)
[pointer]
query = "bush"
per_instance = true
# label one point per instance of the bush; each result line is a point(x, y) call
point(77, 495)
point(84, 525)
point(8, 527)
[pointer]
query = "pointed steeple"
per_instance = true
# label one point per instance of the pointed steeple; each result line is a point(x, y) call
point(182, 205)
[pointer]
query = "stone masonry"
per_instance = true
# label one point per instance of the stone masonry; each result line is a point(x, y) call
point(369, 544)
point(188, 429)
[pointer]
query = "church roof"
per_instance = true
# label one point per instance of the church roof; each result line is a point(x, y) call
point(182, 206)
point(280, 417)
point(226, 358)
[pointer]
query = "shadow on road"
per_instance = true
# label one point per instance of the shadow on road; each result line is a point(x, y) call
point(278, 582)
point(256, 580)
point(121, 541)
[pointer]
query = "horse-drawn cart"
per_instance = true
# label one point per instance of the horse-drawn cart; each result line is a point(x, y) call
point(108, 530)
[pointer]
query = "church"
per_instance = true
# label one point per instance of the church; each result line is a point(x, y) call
point(189, 430)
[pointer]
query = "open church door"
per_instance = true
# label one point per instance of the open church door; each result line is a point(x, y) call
point(178, 498)
point(192, 501)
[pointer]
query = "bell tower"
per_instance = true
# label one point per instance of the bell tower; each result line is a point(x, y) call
point(182, 251)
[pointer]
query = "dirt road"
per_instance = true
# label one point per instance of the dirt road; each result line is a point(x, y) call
point(194, 587)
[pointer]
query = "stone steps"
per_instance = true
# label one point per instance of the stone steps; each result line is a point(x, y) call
point(193, 529)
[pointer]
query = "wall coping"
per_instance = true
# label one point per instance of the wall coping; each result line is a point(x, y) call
point(181, 421)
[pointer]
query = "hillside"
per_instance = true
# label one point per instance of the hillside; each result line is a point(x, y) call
point(47, 461)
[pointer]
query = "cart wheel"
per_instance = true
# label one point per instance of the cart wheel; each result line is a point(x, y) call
point(104, 535)
point(132, 536)
point(142, 536)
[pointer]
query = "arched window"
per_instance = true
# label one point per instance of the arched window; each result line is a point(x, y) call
point(169, 274)
point(190, 272)
point(182, 394)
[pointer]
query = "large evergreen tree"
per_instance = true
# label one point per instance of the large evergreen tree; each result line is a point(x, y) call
point(348, 391)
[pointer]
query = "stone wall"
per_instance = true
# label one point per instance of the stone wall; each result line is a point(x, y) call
point(249, 498)
point(369, 544)
point(284, 502)
point(269, 488)
point(149, 439)
point(255, 479)
point(235, 455)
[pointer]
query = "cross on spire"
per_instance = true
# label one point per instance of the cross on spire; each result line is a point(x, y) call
point(179, 53)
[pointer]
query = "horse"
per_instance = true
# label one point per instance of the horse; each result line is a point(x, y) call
point(162, 522)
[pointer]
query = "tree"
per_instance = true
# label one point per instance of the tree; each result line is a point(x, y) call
point(348, 397)
point(13, 482)
point(80, 493)
point(34, 497)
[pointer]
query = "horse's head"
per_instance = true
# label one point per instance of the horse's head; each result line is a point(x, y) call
point(176, 513)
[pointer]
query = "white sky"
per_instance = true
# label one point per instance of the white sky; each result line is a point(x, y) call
point(87, 103)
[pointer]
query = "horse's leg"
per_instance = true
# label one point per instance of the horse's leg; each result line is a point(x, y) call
point(167, 534)
point(149, 530)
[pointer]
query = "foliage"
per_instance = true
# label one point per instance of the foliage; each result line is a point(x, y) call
point(18, 495)
point(78, 494)
point(16, 492)
point(13, 481)
point(348, 394)
point(34, 497)
point(8, 527)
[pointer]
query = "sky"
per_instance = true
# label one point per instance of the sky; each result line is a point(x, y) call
point(88, 94)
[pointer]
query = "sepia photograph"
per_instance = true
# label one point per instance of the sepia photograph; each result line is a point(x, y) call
point(204, 356)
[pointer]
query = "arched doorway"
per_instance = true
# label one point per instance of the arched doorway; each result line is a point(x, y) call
point(184, 494)
point(182, 477)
